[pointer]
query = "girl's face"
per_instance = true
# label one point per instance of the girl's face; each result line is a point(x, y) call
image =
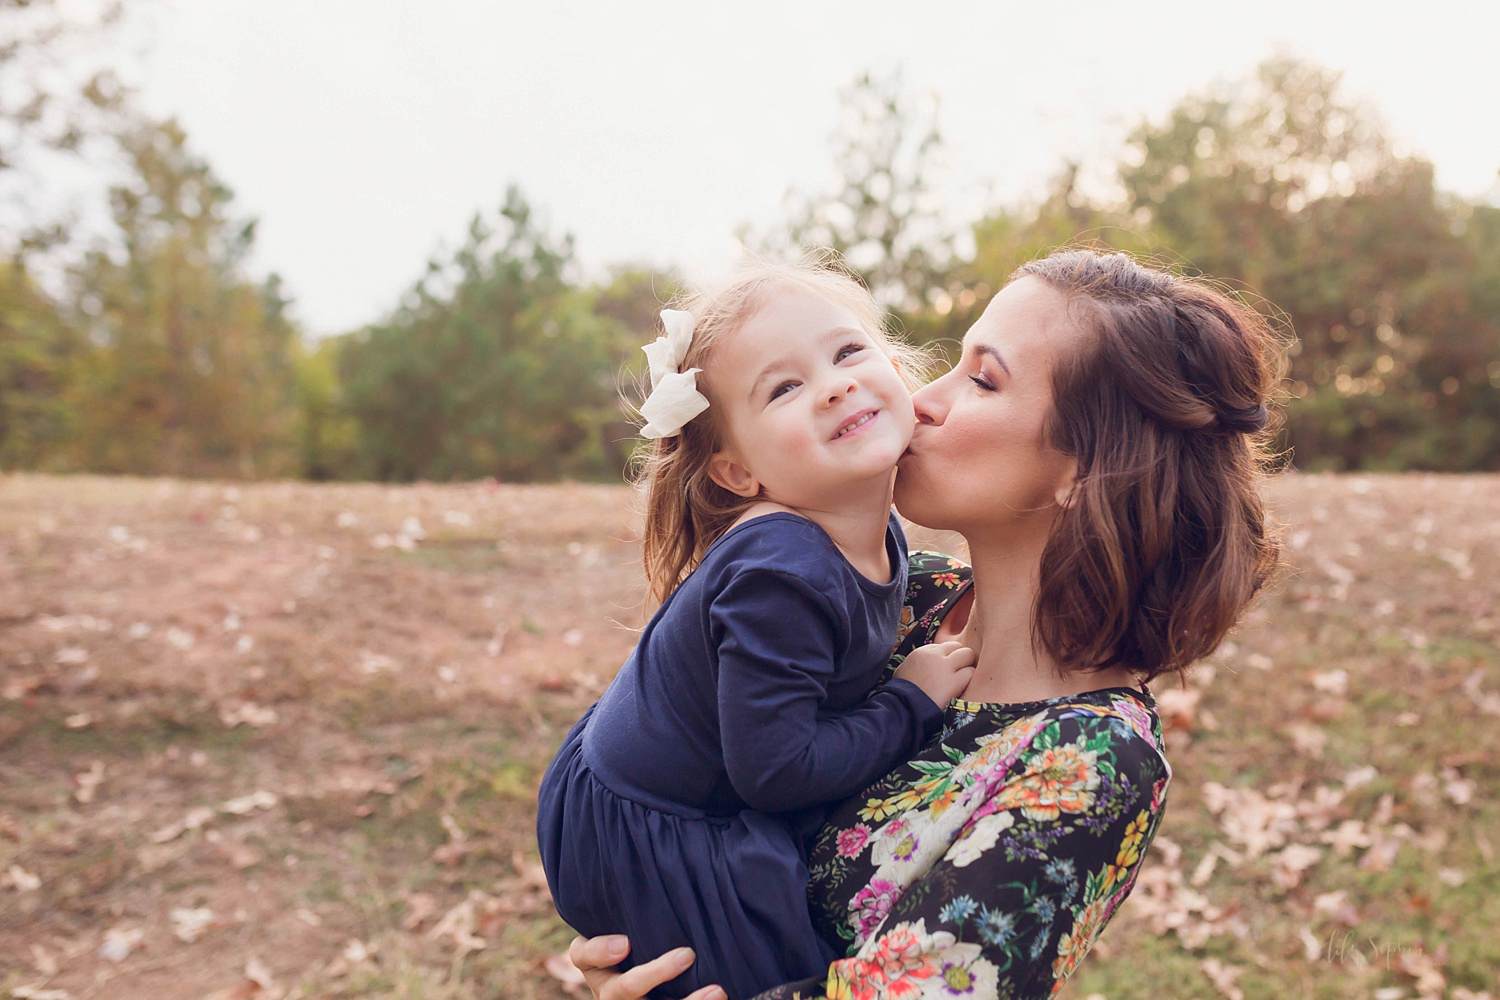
point(979, 461)
point(814, 411)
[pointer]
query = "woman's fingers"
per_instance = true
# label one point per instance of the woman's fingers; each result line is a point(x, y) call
point(598, 957)
point(642, 979)
point(601, 952)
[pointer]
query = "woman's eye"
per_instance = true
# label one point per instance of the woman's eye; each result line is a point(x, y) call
point(982, 382)
point(847, 350)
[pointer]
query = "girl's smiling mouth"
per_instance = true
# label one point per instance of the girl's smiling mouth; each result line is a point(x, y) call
point(850, 426)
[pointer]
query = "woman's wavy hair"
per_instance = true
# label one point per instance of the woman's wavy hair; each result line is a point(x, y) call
point(1168, 412)
point(685, 510)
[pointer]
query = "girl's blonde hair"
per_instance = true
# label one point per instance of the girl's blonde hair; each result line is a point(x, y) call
point(685, 509)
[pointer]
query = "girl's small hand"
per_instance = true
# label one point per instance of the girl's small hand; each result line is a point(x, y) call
point(941, 669)
point(598, 957)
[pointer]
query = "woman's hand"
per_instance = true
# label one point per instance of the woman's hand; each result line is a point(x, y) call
point(941, 669)
point(597, 958)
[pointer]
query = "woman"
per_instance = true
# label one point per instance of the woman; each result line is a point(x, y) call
point(1099, 446)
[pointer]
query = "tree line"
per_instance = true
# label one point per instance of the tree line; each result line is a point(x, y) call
point(142, 344)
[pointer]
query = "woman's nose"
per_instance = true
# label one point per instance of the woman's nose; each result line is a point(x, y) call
point(929, 403)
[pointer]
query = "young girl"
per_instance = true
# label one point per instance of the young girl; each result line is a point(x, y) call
point(676, 810)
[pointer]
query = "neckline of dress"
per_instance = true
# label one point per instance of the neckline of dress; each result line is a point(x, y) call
point(963, 705)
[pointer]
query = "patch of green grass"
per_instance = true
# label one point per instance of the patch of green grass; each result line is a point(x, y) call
point(458, 555)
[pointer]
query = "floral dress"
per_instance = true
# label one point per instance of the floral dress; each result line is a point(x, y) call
point(986, 866)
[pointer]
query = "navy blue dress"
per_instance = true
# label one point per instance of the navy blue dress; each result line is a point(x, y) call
point(678, 809)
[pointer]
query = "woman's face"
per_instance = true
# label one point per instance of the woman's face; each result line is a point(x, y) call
point(978, 462)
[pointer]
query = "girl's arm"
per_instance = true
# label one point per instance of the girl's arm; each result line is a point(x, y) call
point(778, 636)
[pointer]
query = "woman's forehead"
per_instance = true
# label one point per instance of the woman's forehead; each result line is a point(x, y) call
point(1026, 317)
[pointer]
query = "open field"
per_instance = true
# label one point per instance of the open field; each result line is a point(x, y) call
point(283, 740)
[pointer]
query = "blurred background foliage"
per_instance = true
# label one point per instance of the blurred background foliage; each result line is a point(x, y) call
point(134, 339)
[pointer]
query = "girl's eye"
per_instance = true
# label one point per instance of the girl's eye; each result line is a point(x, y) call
point(982, 382)
point(847, 350)
point(783, 389)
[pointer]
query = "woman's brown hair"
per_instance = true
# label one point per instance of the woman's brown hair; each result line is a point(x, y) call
point(685, 510)
point(1166, 412)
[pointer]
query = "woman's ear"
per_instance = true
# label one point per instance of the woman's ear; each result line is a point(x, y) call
point(1067, 488)
point(732, 474)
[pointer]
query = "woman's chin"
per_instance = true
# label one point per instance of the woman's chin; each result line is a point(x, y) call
point(909, 504)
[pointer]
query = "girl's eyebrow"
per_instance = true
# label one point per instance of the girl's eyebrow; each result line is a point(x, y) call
point(832, 333)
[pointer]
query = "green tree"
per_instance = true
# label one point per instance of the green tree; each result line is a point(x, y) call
point(495, 364)
point(327, 435)
point(1282, 184)
point(37, 348)
point(1009, 236)
point(57, 104)
point(189, 370)
point(883, 219)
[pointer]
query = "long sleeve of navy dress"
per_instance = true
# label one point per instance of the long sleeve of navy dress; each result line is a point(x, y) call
point(677, 809)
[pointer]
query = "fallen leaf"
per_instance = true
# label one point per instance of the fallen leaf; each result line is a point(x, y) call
point(458, 925)
point(188, 925)
point(1458, 789)
point(20, 879)
point(420, 906)
point(1351, 834)
point(1178, 708)
point(257, 972)
point(1223, 976)
point(246, 804)
point(43, 961)
point(119, 942)
point(88, 782)
point(248, 713)
point(1334, 682)
point(1308, 740)
point(192, 821)
point(1289, 864)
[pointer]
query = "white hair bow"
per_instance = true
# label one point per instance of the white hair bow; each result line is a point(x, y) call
point(674, 397)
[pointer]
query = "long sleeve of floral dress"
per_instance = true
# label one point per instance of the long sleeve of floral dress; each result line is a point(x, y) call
point(986, 866)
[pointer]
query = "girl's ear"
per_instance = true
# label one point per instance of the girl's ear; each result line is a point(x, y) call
point(732, 474)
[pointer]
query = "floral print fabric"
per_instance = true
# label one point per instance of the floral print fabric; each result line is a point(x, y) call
point(987, 866)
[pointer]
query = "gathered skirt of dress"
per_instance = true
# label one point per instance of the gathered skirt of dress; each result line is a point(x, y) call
point(734, 888)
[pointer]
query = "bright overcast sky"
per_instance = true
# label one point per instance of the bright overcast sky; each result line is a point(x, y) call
point(365, 133)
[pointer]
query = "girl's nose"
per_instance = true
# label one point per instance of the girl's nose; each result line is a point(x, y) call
point(838, 388)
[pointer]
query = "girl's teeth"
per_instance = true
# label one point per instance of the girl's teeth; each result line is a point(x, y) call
point(862, 420)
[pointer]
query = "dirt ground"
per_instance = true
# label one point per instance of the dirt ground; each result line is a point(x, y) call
point(283, 740)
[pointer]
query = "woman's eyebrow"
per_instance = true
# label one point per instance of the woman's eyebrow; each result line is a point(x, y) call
point(990, 352)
